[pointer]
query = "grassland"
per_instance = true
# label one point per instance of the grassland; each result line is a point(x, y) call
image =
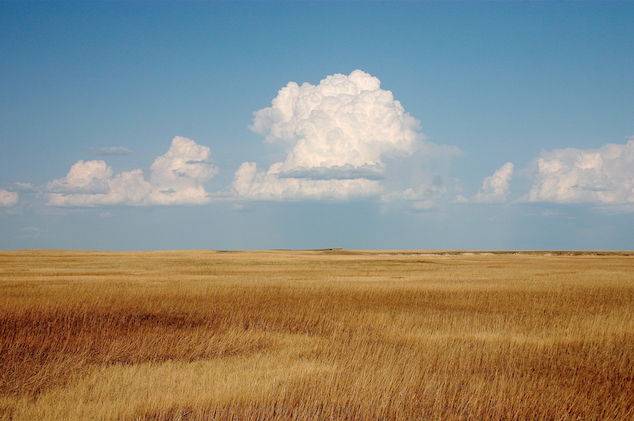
point(307, 335)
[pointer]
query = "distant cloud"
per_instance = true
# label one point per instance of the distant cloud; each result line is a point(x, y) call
point(84, 177)
point(91, 184)
point(181, 172)
point(175, 178)
point(336, 134)
point(259, 185)
point(31, 232)
point(32, 229)
point(111, 151)
point(603, 176)
point(26, 187)
point(496, 187)
point(8, 199)
point(421, 199)
point(336, 172)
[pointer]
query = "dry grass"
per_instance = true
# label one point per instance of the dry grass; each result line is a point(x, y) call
point(333, 334)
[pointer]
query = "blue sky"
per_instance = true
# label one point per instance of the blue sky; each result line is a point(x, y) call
point(255, 125)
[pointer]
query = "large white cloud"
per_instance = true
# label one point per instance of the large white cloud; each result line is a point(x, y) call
point(602, 176)
point(176, 178)
point(336, 136)
point(496, 187)
point(8, 199)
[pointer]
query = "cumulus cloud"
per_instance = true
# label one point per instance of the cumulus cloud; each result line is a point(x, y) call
point(111, 151)
point(336, 135)
point(496, 187)
point(268, 185)
point(84, 177)
point(336, 172)
point(603, 176)
point(26, 187)
point(178, 176)
point(8, 199)
point(128, 187)
point(175, 178)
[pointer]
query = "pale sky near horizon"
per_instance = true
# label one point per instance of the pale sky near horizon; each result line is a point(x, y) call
point(367, 125)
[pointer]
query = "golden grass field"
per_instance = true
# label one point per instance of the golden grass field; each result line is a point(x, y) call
point(316, 335)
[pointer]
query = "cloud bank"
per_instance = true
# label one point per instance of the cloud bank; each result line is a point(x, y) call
point(344, 138)
point(602, 176)
point(336, 136)
point(175, 178)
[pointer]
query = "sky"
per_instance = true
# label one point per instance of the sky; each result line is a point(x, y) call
point(473, 125)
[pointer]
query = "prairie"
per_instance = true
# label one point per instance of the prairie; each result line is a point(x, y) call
point(325, 334)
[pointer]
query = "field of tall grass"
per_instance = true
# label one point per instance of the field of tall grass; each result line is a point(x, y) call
point(316, 335)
